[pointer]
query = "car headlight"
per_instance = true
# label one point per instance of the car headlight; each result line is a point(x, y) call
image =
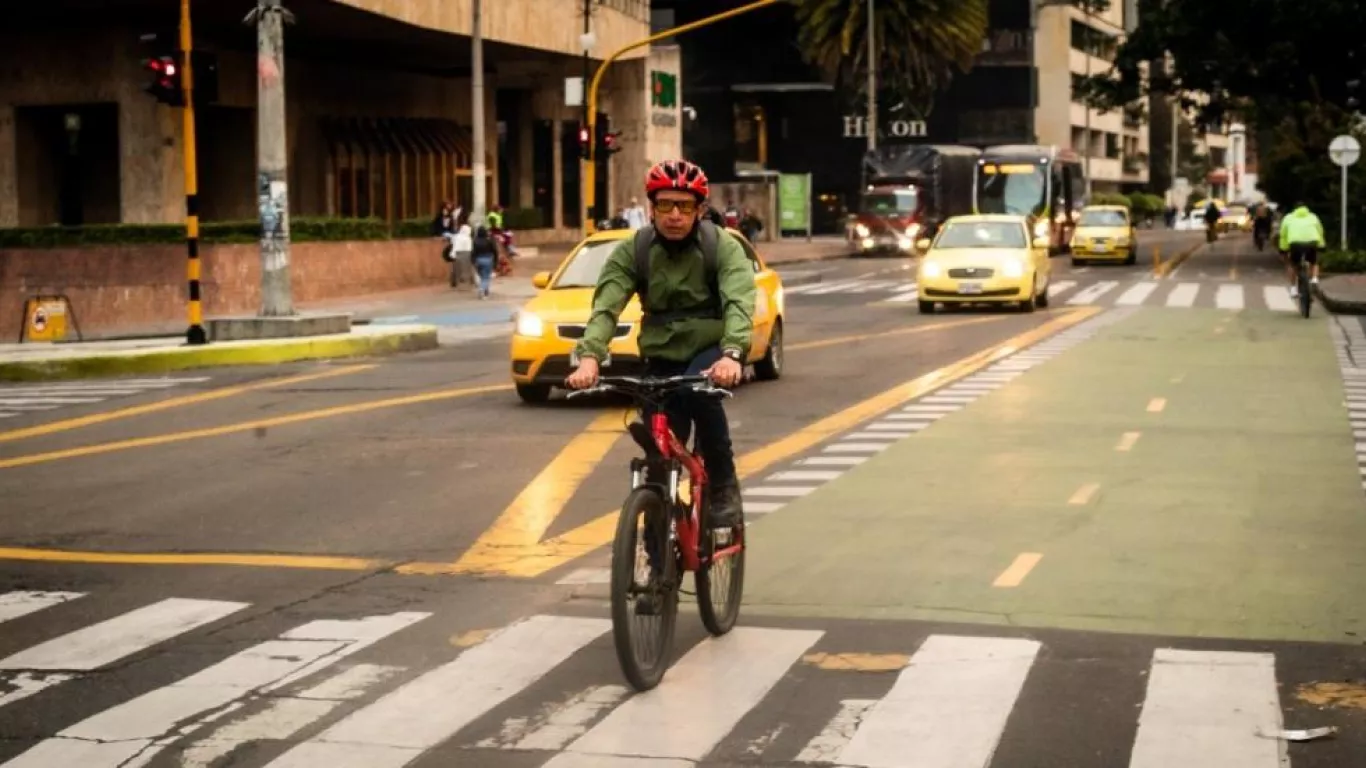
point(861, 230)
point(530, 325)
point(906, 243)
point(913, 230)
point(931, 269)
point(868, 242)
point(1041, 228)
point(1012, 268)
point(1121, 241)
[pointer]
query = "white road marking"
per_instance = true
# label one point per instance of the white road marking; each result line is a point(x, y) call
point(1229, 296)
point(716, 683)
point(1093, 292)
point(1207, 708)
point(947, 708)
point(1183, 295)
point(16, 604)
point(1136, 295)
point(398, 728)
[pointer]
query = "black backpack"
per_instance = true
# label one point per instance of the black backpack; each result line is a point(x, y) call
point(708, 237)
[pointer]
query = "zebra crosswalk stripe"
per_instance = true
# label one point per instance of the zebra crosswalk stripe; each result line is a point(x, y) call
point(17, 400)
point(398, 728)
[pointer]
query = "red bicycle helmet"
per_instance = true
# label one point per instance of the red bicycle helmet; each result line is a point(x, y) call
point(677, 174)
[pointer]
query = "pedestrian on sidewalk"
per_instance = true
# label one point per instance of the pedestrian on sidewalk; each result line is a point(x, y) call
point(462, 265)
point(484, 252)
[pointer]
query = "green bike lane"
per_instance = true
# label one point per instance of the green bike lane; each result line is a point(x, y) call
point(1186, 473)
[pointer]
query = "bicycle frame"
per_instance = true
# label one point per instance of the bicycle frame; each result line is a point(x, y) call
point(689, 527)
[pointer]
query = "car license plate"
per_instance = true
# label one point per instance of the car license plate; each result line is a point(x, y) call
point(969, 287)
point(886, 240)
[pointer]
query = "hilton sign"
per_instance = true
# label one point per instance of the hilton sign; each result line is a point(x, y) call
point(857, 128)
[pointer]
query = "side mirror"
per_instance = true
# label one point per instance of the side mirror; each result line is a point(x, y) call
point(1041, 242)
point(923, 244)
point(540, 279)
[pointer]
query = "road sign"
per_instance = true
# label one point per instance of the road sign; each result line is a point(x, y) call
point(1344, 150)
point(46, 318)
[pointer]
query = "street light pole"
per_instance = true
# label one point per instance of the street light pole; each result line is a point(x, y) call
point(1090, 43)
point(272, 161)
point(872, 83)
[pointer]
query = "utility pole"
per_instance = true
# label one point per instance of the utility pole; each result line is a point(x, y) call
point(872, 83)
point(1091, 33)
point(195, 334)
point(272, 158)
point(586, 41)
point(477, 111)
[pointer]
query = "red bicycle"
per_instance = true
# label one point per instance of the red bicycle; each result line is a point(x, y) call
point(672, 534)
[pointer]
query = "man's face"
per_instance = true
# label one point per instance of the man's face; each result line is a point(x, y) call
point(675, 213)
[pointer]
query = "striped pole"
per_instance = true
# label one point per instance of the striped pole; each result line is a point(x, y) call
point(195, 334)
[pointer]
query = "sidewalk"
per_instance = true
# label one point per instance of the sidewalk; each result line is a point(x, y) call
point(1183, 472)
point(382, 323)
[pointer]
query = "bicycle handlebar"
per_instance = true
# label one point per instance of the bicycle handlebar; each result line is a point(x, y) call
point(644, 386)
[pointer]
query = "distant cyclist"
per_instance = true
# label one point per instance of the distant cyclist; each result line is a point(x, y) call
point(698, 319)
point(1261, 224)
point(1301, 239)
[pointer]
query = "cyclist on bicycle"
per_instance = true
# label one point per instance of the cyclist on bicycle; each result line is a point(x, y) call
point(1261, 222)
point(1301, 238)
point(691, 330)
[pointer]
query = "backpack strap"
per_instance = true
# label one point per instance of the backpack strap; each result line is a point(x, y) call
point(708, 237)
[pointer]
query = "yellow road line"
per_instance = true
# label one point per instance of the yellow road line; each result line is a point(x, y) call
point(1127, 441)
point(1084, 494)
point(247, 426)
point(1157, 405)
point(897, 332)
point(174, 402)
point(316, 562)
point(529, 515)
point(1018, 570)
point(857, 662)
point(532, 561)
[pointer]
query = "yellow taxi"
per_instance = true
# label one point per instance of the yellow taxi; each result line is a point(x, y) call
point(984, 259)
point(1104, 233)
point(549, 325)
point(1235, 218)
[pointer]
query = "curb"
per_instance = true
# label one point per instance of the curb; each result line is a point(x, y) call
point(412, 339)
point(1339, 306)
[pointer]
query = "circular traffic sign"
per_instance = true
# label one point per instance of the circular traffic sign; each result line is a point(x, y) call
point(1344, 150)
point(39, 319)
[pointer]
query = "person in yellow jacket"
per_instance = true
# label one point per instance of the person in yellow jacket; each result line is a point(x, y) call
point(1301, 239)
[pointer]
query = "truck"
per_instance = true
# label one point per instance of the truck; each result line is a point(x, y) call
point(909, 190)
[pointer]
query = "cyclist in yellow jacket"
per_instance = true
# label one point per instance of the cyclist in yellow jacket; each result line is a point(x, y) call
point(1301, 239)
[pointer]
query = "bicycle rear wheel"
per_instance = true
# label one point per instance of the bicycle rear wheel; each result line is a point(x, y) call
point(645, 583)
point(1306, 290)
point(720, 584)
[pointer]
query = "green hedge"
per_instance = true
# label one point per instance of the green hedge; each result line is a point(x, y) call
point(1343, 262)
point(302, 229)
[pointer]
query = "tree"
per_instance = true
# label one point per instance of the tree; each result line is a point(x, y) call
point(920, 44)
point(1252, 57)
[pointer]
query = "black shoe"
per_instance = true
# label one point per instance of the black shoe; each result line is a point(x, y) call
point(726, 507)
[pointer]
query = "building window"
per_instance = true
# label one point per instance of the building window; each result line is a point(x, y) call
point(1090, 40)
point(1077, 81)
point(1112, 145)
point(396, 168)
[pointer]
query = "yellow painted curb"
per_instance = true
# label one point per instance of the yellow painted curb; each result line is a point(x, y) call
point(1170, 266)
point(228, 353)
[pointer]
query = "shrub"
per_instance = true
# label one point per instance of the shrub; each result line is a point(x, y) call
point(1343, 262)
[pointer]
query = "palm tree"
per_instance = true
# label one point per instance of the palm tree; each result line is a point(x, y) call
point(919, 43)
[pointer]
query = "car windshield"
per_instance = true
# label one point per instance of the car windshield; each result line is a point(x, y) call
point(1102, 219)
point(585, 265)
point(889, 203)
point(982, 234)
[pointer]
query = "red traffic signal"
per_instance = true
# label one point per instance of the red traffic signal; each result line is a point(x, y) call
point(611, 143)
point(585, 149)
point(166, 85)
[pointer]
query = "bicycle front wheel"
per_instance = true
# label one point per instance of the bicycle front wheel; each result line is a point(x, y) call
point(645, 583)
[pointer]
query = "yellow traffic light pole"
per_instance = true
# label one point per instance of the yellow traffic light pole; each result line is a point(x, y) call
point(195, 334)
point(589, 165)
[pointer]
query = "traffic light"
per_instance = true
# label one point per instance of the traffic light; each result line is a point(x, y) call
point(165, 84)
point(609, 141)
point(585, 150)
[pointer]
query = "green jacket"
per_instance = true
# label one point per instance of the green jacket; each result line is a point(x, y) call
point(676, 283)
point(1301, 226)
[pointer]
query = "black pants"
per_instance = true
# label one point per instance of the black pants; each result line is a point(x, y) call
point(685, 408)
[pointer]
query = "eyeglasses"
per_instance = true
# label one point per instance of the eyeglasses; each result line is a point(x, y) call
point(686, 207)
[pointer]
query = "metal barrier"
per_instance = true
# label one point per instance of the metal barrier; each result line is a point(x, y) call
point(45, 319)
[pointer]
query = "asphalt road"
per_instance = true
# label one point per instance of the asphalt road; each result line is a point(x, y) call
point(395, 562)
